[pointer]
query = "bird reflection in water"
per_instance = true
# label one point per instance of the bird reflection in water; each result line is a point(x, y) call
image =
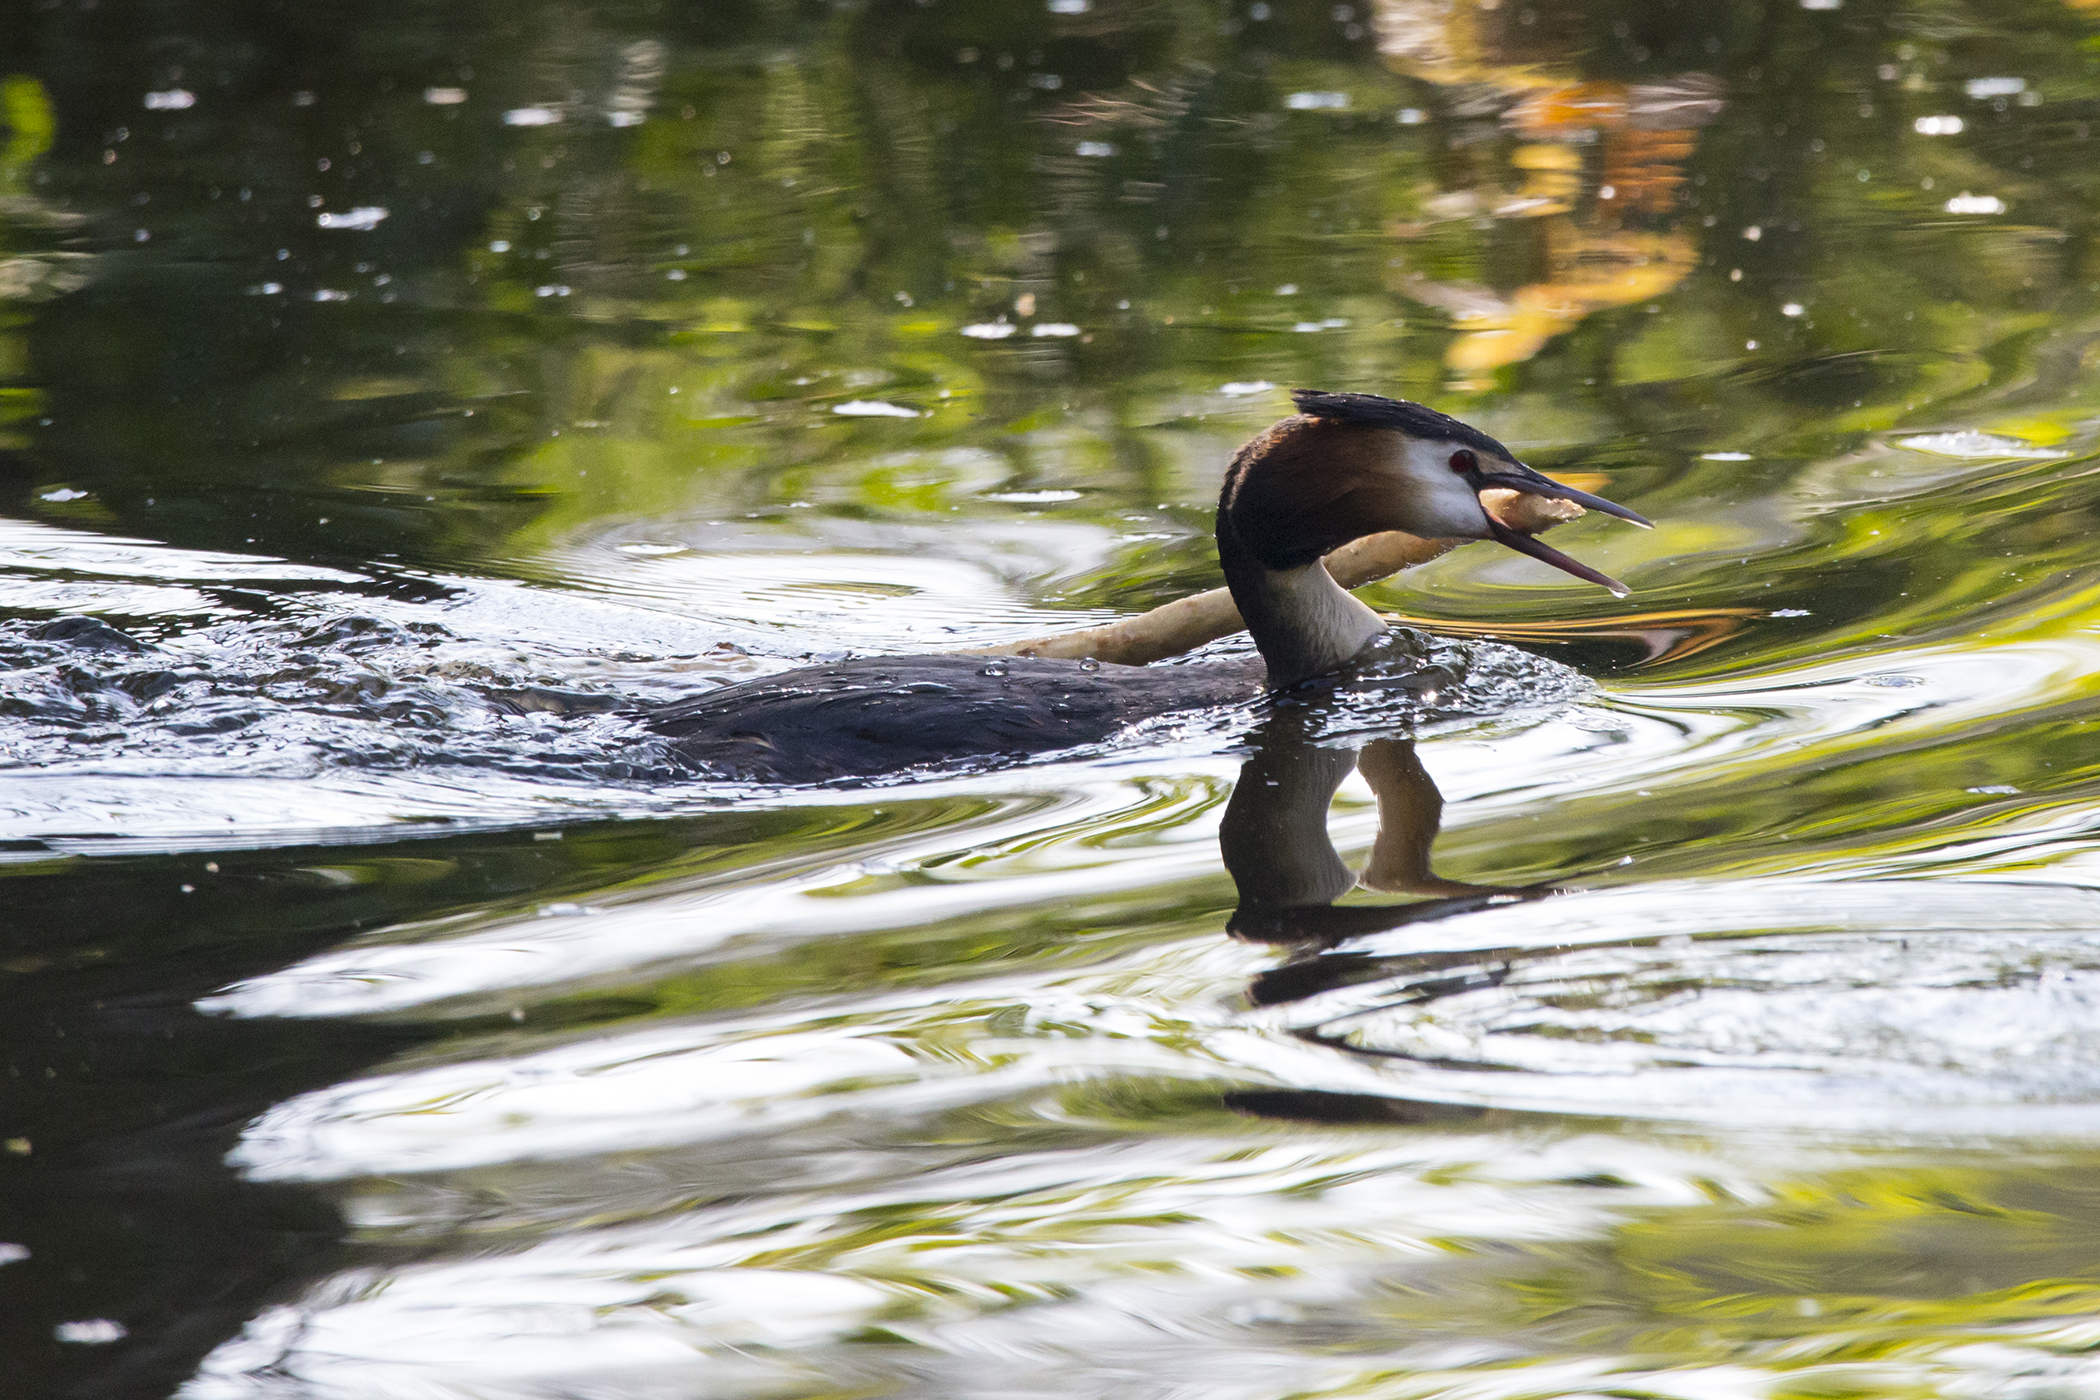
point(1276, 848)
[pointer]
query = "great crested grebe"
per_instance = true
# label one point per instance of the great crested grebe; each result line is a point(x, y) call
point(1344, 466)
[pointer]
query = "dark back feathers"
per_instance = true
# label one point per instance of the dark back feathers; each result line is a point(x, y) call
point(876, 714)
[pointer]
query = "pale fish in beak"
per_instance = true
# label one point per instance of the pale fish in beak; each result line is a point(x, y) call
point(1522, 478)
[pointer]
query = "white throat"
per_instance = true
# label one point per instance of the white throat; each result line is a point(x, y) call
point(1305, 623)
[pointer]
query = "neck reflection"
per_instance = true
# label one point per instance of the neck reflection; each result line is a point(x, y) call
point(1276, 848)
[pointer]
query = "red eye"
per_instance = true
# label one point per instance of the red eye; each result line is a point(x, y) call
point(1463, 461)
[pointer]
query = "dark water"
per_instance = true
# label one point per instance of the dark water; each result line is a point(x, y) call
point(393, 397)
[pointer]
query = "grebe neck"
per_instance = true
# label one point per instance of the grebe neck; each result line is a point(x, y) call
point(1303, 622)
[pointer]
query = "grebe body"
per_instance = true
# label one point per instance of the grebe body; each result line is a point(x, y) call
point(872, 715)
point(1345, 466)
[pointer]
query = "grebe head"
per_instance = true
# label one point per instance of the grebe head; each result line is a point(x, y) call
point(1355, 464)
point(1346, 466)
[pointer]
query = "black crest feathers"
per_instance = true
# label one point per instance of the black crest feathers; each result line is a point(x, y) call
point(1371, 411)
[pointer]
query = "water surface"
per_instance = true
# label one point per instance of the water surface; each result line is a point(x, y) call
point(391, 405)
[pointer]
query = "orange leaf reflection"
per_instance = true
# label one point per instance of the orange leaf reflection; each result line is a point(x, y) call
point(1668, 636)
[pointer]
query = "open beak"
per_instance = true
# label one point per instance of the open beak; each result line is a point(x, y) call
point(1538, 549)
point(1534, 484)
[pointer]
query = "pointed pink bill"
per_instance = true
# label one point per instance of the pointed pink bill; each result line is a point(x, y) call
point(1538, 549)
